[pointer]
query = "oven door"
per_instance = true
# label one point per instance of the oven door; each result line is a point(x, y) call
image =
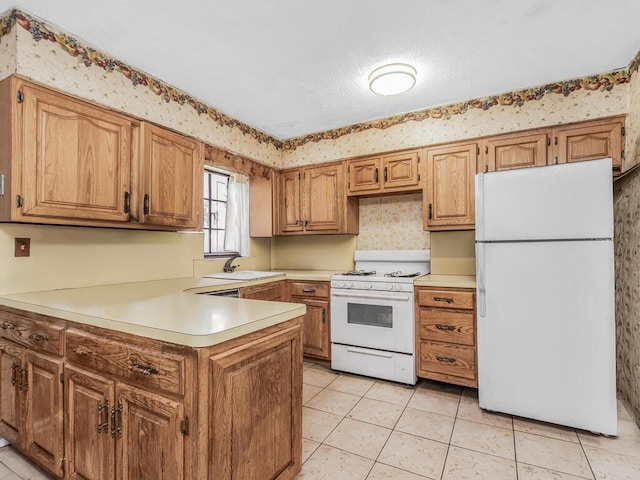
point(382, 320)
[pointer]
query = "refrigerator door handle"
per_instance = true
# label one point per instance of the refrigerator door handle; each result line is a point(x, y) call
point(482, 287)
point(480, 206)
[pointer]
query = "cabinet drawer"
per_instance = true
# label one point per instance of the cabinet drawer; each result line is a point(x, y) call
point(271, 292)
point(37, 335)
point(310, 289)
point(446, 298)
point(449, 326)
point(448, 359)
point(145, 366)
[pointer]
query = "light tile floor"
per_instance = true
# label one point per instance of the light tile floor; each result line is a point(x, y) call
point(357, 428)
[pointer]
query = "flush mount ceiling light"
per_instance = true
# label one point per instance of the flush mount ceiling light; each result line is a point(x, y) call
point(392, 79)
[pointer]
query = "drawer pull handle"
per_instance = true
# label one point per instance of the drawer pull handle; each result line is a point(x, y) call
point(448, 328)
point(309, 290)
point(138, 367)
point(443, 299)
point(7, 326)
point(445, 359)
point(39, 337)
point(82, 351)
point(24, 379)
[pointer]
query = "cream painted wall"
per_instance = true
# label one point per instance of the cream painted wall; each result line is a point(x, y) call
point(64, 257)
point(313, 252)
point(453, 253)
point(259, 259)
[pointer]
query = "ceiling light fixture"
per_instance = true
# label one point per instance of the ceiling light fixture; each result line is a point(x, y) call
point(392, 79)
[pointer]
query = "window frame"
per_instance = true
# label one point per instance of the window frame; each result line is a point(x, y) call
point(208, 170)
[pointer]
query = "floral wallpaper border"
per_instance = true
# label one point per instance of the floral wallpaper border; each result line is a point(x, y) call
point(90, 56)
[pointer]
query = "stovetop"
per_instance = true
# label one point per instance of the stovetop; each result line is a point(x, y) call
point(384, 270)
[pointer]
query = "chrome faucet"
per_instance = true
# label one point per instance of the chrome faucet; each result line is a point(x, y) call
point(227, 265)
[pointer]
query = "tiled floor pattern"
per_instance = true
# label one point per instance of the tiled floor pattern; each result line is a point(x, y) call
point(357, 428)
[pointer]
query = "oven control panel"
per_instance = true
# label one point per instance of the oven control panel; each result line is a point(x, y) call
point(378, 286)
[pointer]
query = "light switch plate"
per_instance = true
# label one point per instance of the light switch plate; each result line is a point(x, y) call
point(23, 247)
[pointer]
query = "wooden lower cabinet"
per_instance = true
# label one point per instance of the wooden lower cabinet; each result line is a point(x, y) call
point(31, 404)
point(316, 336)
point(256, 423)
point(272, 291)
point(446, 335)
point(115, 406)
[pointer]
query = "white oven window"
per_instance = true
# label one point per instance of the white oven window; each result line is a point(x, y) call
point(372, 315)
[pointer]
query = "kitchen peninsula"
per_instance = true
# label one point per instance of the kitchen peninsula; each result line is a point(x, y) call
point(157, 382)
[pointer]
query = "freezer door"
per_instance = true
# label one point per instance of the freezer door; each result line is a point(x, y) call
point(546, 342)
point(567, 201)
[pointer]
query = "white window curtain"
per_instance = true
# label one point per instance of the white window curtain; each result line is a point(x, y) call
point(236, 237)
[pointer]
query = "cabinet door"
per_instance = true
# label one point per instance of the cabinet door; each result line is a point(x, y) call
point(400, 171)
point(316, 335)
point(89, 451)
point(255, 424)
point(172, 169)
point(364, 176)
point(149, 440)
point(449, 197)
point(43, 429)
point(508, 152)
point(290, 212)
point(589, 142)
point(77, 159)
point(10, 389)
point(323, 198)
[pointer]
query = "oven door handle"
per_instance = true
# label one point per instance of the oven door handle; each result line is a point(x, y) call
point(373, 296)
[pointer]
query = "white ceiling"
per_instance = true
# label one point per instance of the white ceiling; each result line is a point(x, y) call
point(292, 67)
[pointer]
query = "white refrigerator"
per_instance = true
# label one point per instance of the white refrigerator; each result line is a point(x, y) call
point(545, 293)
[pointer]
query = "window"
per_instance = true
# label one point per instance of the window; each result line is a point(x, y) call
point(226, 213)
point(215, 211)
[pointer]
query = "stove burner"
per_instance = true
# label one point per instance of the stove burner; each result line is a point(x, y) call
point(359, 273)
point(402, 275)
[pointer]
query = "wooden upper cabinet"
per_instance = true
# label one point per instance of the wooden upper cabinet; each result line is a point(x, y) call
point(322, 198)
point(589, 141)
point(519, 150)
point(390, 173)
point(448, 202)
point(76, 158)
point(364, 176)
point(290, 208)
point(171, 176)
point(314, 200)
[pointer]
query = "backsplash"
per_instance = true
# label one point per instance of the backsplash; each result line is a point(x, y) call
point(391, 223)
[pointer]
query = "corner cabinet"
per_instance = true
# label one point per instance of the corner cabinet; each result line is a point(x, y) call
point(390, 173)
point(448, 202)
point(313, 200)
point(446, 335)
point(65, 161)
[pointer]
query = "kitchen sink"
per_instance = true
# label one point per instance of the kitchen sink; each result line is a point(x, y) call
point(244, 275)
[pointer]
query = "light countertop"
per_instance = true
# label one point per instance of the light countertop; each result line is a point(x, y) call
point(457, 281)
point(168, 310)
point(310, 275)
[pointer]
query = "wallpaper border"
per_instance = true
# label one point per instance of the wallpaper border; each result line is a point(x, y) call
point(89, 56)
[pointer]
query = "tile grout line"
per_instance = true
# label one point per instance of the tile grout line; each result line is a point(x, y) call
point(586, 457)
point(455, 419)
